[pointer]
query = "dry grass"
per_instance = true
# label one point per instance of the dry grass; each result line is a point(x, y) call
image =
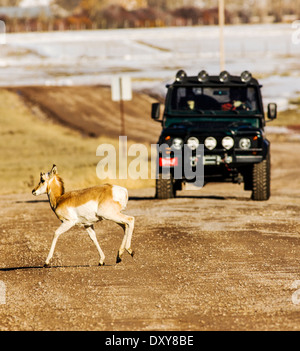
point(287, 118)
point(30, 145)
point(291, 116)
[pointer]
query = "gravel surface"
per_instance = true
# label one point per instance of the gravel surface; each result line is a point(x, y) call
point(210, 259)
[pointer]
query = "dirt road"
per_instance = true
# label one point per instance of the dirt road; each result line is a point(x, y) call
point(207, 260)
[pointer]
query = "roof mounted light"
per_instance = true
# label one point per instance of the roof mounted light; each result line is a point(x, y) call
point(202, 76)
point(246, 76)
point(224, 77)
point(180, 75)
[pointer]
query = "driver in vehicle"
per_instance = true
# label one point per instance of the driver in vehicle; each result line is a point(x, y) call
point(237, 102)
point(188, 102)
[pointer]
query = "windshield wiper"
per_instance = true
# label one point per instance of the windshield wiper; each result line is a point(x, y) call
point(239, 123)
point(199, 110)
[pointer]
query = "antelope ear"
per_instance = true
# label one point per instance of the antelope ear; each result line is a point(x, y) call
point(53, 170)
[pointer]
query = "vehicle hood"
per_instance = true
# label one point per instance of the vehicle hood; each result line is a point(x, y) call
point(198, 128)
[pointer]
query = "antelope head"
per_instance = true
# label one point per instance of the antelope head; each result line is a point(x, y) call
point(45, 178)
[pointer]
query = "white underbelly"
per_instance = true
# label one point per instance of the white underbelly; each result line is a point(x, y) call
point(85, 214)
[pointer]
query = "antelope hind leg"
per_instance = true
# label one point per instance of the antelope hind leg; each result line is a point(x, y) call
point(92, 235)
point(128, 226)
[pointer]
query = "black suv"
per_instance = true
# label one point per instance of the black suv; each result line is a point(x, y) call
point(224, 114)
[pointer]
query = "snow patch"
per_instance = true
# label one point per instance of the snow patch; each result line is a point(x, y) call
point(152, 56)
point(34, 3)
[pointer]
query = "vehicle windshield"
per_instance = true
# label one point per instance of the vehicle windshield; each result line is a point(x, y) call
point(186, 100)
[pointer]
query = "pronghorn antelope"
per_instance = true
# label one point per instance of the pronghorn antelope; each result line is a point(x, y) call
point(86, 207)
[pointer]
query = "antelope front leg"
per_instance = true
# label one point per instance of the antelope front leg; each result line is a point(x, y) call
point(62, 229)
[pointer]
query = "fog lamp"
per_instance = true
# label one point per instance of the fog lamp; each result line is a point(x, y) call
point(245, 143)
point(177, 143)
point(192, 143)
point(210, 143)
point(227, 142)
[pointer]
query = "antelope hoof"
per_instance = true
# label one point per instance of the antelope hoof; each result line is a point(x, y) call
point(46, 265)
point(131, 252)
point(118, 258)
point(101, 264)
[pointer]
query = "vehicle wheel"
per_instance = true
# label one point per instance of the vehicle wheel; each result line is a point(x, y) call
point(165, 187)
point(261, 175)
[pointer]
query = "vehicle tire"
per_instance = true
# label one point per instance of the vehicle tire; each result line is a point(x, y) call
point(261, 175)
point(165, 187)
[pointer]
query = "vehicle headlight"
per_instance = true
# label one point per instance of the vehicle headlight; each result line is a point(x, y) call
point(210, 143)
point(245, 143)
point(177, 143)
point(192, 143)
point(227, 142)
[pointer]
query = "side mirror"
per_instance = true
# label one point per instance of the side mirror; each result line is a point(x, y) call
point(155, 112)
point(272, 110)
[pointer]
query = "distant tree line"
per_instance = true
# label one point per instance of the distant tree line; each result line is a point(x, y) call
point(113, 16)
point(99, 14)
